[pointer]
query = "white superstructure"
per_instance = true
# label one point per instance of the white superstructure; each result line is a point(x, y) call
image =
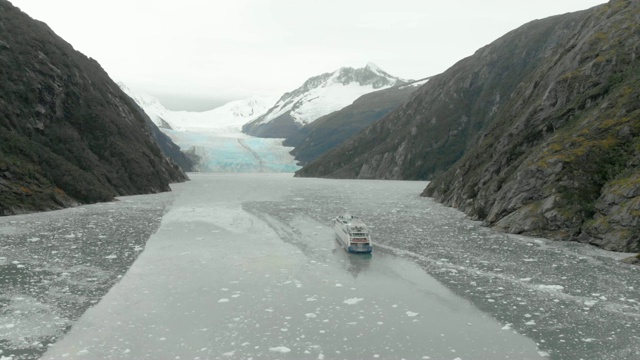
point(352, 233)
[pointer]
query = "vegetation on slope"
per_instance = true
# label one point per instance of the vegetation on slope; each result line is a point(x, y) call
point(563, 162)
point(68, 134)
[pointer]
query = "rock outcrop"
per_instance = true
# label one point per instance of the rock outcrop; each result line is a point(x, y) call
point(68, 134)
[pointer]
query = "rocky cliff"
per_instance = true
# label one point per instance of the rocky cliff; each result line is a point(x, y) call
point(562, 159)
point(68, 134)
point(536, 133)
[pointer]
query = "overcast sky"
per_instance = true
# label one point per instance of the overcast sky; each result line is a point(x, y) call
point(238, 48)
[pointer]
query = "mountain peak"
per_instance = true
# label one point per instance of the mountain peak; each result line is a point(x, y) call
point(373, 67)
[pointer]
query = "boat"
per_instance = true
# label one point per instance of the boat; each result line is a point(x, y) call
point(352, 234)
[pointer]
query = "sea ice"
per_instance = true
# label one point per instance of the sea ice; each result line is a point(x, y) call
point(353, 301)
point(280, 349)
point(551, 287)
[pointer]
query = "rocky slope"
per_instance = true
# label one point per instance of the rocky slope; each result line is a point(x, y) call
point(329, 131)
point(319, 96)
point(542, 126)
point(68, 134)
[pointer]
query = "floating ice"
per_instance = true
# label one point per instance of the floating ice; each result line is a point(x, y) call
point(311, 315)
point(590, 302)
point(223, 300)
point(353, 301)
point(280, 349)
point(551, 287)
point(412, 314)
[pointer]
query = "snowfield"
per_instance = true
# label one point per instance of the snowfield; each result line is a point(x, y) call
point(326, 93)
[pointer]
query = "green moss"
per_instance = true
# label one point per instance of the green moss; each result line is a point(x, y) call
point(620, 184)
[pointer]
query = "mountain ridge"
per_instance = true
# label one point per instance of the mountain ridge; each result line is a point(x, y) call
point(319, 96)
point(536, 133)
point(328, 131)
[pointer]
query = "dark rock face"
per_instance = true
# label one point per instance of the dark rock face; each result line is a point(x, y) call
point(284, 126)
point(562, 160)
point(68, 134)
point(536, 133)
point(320, 136)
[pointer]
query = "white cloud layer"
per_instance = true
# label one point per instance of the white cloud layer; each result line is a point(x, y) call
point(240, 48)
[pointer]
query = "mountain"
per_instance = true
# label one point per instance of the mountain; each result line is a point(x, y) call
point(536, 133)
point(319, 96)
point(325, 133)
point(231, 116)
point(68, 134)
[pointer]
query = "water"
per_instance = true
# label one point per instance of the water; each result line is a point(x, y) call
point(246, 266)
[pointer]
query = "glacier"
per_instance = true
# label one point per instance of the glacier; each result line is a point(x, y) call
point(216, 137)
point(240, 153)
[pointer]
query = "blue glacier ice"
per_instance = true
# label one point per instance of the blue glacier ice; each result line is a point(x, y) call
point(235, 153)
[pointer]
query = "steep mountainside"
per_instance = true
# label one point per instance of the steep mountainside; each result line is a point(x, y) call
point(68, 134)
point(563, 159)
point(431, 131)
point(329, 131)
point(319, 96)
point(546, 121)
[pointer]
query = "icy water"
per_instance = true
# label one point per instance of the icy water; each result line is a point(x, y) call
point(246, 266)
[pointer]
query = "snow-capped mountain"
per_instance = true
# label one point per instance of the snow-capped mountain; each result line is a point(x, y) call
point(319, 96)
point(227, 118)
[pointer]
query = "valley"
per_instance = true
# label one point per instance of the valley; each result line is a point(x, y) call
point(503, 194)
